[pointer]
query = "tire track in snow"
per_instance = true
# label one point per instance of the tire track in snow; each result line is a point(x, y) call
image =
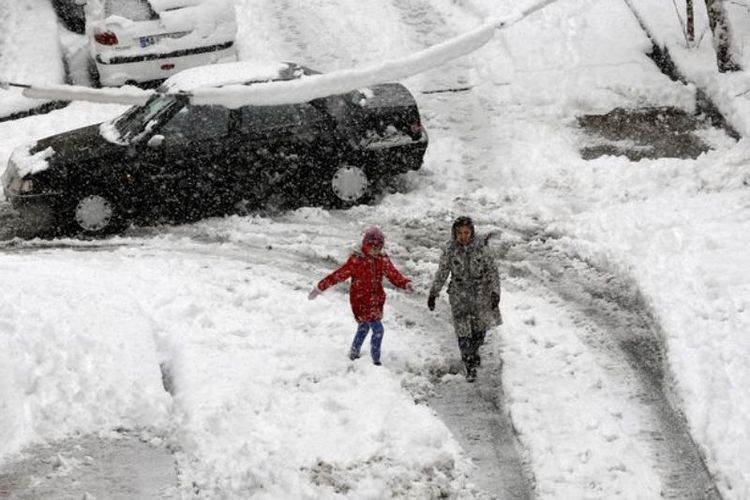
point(614, 324)
point(477, 414)
point(618, 329)
point(612, 305)
point(490, 442)
point(136, 462)
point(636, 351)
point(92, 466)
point(468, 120)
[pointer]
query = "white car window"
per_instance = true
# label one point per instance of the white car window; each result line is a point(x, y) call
point(136, 10)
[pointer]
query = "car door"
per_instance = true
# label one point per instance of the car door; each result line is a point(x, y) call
point(197, 153)
point(278, 148)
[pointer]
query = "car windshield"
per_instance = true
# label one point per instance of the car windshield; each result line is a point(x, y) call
point(140, 119)
point(135, 10)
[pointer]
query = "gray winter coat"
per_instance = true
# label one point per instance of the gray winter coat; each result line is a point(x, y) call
point(474, 277)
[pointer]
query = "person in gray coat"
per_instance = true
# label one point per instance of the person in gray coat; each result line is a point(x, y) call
point(473, 291)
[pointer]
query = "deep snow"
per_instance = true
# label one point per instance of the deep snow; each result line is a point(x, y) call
point(266, 403)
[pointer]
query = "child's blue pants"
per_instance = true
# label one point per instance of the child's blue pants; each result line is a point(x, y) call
point(375, 340)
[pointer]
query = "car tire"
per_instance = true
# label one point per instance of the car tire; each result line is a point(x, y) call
point(95, 214)
point(93, 73)
point(349, 186)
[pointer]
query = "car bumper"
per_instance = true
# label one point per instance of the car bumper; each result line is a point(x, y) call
point(393, 159)
point(38, 212)
point(117, 71)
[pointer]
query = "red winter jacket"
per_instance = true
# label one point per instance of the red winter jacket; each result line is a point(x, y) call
point(366, 293)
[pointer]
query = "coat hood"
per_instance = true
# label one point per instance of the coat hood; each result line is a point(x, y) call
point(373, 236)
point(479, 241)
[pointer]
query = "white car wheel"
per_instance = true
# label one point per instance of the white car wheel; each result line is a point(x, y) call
point(94, 213)
point(349, 183)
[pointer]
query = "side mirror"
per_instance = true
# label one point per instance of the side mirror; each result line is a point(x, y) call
point(156, 141)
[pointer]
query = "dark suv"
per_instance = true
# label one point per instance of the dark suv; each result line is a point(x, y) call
point(171, 161)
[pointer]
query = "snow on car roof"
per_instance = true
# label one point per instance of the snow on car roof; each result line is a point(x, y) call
point(218, 75)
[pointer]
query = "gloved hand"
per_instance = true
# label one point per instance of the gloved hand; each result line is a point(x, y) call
point(495, 299)
point(314, 293)
point(409, 288)
point(431, 302)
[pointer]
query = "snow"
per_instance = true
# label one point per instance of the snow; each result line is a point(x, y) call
point(121, 95)
point(27, 163)
point(346, 80)
point(557, 398)
point(224, 74)
point(27, 53)
point(265, 403)
point(211, 20)
point(291, 91)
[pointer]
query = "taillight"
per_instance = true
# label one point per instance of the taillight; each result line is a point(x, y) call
point(416, 129)
point(105, 38)
point(27, 186)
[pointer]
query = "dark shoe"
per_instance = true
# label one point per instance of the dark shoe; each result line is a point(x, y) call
point(377, 363)
point(471, 374)
point(353, 355)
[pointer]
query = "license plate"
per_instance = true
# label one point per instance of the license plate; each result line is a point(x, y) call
point(147, 41)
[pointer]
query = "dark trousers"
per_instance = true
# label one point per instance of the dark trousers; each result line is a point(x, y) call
point(469, 347)
point(375, 341)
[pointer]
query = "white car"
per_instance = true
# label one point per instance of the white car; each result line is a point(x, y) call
point(145, 41)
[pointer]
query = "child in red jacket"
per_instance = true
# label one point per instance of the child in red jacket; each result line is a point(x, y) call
point(366, 268)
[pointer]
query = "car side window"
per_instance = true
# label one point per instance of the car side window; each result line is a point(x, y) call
point(310, 115)
point(337, 108)
point(257, 120)
point(197, 123)
point(340, 110)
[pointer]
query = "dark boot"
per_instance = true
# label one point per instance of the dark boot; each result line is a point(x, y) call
point(477, 340)
point(470, 360)
point(469, 357)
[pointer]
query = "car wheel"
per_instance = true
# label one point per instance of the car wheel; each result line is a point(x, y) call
point(93, 73)
point(350, 185)
point(95, 214)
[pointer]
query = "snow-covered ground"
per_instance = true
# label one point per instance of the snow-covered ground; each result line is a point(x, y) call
point(264, 402)
point(28, 54)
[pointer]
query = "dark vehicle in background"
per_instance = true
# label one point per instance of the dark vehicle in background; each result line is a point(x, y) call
point(172, 161)
point(71, 13)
